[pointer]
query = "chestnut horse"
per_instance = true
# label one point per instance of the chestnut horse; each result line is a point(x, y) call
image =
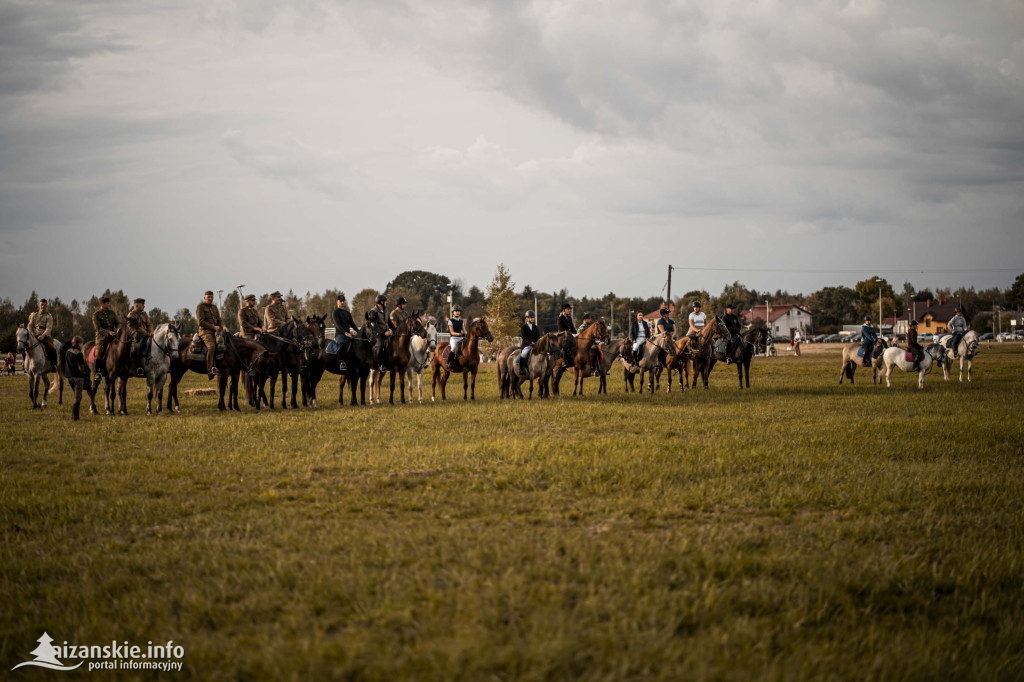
point(585, 342)
point(468, 359)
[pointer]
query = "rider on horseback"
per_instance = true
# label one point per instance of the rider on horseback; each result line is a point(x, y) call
point(530, 334)
point(40, 325)
point(665, 325)
point(105, 323)
point(142, 334)
point(379, 317)
point(344, 330)
point(913, 346)
point(957, 327)
point(210, 324)
point(456, 325)
point(696, 320)
point(565, 323)
point(868, 337)
point(249, 320)
point(639, 332)
point(733, 324)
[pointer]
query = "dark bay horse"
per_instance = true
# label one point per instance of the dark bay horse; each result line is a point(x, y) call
point(468, 361)
point(117, 366)
point(399, 352)
point(290, 348)
point(239, 355)
point(701, 352)
point(743, 352)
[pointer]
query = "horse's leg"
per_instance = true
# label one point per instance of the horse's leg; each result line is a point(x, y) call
point(970, 362)
point(472, 387)
point(465, 385)
point(160, 380)
point(149, 395)
point(746, 371)
point(222, 384)
point(122, 396)
point(391, 377)
point(739, 373)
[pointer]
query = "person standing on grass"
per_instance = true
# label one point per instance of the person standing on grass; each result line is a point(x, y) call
point(76, 370)
point(796, 343)
point(868, 337)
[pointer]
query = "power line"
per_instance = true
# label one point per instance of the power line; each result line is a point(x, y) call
point(854, 272)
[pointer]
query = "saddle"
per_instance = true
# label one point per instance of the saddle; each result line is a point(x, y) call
point(197, 349)
point(909, 355)
point(721, 347)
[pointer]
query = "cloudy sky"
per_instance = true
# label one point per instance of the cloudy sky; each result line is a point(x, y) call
point(170, 147)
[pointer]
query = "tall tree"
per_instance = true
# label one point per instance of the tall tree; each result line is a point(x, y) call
point(361, 303)
point(1015, 296)
point(501, 307)
point(228, 311)
point(833, 306)
point(867, 298)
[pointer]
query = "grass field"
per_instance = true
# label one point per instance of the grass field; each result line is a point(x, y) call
point(798, 530)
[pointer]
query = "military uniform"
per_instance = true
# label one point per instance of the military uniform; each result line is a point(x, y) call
point(248, 321)
point(104, 321)
point(143, 333)
point(40, 324)
point(143, 326)
point(208, 317)
point(276, 316)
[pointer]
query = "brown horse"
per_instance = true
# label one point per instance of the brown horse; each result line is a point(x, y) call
point(117, 364)
point(468, 359)
point(585, 342)
point(649, 355)
point(399, 353)
point(701, 351)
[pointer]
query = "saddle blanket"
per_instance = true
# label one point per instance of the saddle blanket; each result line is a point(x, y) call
point(720, 346)
point(332, 347)
point(860, 352)
point(909, 356)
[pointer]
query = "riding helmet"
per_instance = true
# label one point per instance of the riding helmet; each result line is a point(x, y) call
point(729, 305)
point(401, 301)
point(566, 306)
point(867, 318)
point(457, 309)
point(381, 298)
point(587, 316)
point(696, 304)
point(913, 323)
point(530, 313)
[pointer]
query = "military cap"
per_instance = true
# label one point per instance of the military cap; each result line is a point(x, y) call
point(43, 300)
point(208, 293)
point(341, 297)
point(105, 299)
point(566, 306)
point(275, 294)
point(140, 300)
point(250, 297)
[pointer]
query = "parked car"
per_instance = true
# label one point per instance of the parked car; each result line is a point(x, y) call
point(820, 337)
point(925, 337)
point(832, 338)
point(855, 338)
point(1009, 336)
point(901, 337)
point(987, 336)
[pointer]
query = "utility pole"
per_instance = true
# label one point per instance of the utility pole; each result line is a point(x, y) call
point(668, 294)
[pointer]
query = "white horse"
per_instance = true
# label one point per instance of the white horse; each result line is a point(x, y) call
point(420, 349)
point(934, 354)
point(37, 365)
point(969, 346)
point(157, 363)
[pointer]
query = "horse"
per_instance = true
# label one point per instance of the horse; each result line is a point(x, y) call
point(399, 353)
point(118, 365)
point(896, 357)
point(37, 366)
point(468, 359)
point(313, 368)
point(157, 362)
point(743, 352)
point(675, 362)
point(420, 350)
point(648, 360)
point(540, 365)
point(701, 352)
point(851, 361)
point(289, 349)
point(239, 354)
point(585, 342)
point(969, 346)
point(505, 370)
point(610, 352)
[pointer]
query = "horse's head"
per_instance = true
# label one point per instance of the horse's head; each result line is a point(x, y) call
point(601, 330)
point(432, 336)
point(720, 328)
point(481, 330)
point(416, 325)
point(22, 336)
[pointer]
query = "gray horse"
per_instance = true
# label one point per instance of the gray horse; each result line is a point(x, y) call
point(540, 366)
point(37, 365)
point(969, 346)
point(157, 363)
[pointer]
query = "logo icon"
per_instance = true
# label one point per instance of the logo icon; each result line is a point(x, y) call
point(46, 656)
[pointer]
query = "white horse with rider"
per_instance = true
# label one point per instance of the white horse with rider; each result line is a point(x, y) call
point(934, 354)
point(37, 365)
point(967, 349)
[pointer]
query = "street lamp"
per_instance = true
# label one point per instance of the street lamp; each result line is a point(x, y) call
point(879, 281)
point(220, 303)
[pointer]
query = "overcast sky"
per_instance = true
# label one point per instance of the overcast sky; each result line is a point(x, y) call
point(169, 147)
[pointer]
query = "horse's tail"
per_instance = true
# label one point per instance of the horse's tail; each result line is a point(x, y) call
point(849, 370)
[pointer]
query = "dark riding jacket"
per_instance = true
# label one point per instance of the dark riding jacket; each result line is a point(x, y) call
point(565, 324)
point(75, 366)
point(732, 323)
point(868, 335)
point(634, 330)
point(530, 334)
point(343, 322)
point(667, 326)
point(912, 340)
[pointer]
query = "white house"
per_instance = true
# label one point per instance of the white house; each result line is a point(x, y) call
point(785, 319)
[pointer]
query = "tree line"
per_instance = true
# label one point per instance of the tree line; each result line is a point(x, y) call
point(504, 304)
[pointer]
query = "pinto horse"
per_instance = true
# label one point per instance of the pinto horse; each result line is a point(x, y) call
point(468, 359)
point(399, 353)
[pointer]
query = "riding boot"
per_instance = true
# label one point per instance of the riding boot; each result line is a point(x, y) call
point(211, 369)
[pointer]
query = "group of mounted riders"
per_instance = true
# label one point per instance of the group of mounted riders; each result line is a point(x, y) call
point(957, 327)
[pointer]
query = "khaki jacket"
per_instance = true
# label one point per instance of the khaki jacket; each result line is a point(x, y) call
point(248, 321)
point(40, 323)
point(398, 317)
point(142, 324)
point(208, 316)
point(104, 321)
point(276, 316)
